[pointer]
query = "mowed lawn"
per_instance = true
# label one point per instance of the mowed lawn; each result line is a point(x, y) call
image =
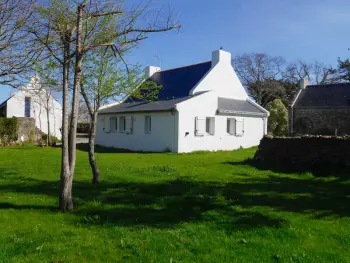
point(200, 207)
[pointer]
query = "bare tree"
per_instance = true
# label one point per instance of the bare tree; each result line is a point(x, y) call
point(316, 72)
point(16, 50)
point(260, 75)
point(89, 24)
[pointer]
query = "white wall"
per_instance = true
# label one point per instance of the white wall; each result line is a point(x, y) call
point(222, 78)
point(221, 140)
point(16, 108)
point(162, 136)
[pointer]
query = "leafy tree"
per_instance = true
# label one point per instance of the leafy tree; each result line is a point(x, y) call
point(278, 120)
point(343, 71)
point(71, 29)
point(105, 79)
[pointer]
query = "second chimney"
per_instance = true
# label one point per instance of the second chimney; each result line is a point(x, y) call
point(150, 70)
point(304, 82)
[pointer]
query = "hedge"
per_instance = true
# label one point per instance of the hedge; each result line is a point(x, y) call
point(83, 127)
point(8, 130)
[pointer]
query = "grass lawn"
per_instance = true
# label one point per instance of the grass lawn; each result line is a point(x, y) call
point(200, 207)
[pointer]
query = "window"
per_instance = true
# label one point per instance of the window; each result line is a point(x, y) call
point(27, 102)
point(114, 124)
point(230, 128)
point(210, 125)
point(205, 125)
point(122, 124)
point(148, 124)
point(235, 126)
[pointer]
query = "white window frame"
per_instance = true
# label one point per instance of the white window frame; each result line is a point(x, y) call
point(231, 126)
point(148, 124)
point(210, 125)
point(122, 124)
point(113, 124)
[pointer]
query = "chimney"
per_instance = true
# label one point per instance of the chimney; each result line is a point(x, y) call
point(150, 70)
point(304, 82)
point(220, 56)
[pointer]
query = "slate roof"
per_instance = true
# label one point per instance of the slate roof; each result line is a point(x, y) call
point(159, 105)
point(178, 82)
point(335, 95)
point(226, 105)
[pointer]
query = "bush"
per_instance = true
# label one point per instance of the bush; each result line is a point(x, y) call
point(8, 130)
point(278, 120)
point(83, 127)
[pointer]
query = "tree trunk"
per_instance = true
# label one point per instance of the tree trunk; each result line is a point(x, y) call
point(48, 125)
point(93, 164)
point(76, 90)
point(65, 198)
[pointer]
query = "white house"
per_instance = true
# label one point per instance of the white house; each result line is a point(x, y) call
point(200, 107)
point(36, 102)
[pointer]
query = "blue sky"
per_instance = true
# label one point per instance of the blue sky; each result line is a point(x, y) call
point(300, 29)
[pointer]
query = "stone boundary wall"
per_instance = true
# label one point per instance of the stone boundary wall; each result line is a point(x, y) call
point(324, 154)
point(26, 128)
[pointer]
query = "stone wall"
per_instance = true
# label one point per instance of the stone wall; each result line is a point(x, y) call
point(320, 121)
point(325, 155)
point(26, 128)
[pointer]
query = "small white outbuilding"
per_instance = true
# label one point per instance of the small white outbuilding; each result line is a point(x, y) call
point(34, 101)
point(200, 107)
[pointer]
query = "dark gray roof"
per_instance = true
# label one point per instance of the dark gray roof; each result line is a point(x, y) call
point(239, 107)
point(178, 82)
point(160, 105)
point(335, 95)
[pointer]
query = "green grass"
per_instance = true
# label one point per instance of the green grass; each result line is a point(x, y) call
point(200, 207)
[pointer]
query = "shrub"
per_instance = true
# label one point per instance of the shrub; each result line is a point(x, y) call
point(278, 120)
point(8, 130)
point(83, 127)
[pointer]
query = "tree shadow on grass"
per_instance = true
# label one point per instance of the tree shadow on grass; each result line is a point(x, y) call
point(229, 205)
point(101, 149)
point(292, 169)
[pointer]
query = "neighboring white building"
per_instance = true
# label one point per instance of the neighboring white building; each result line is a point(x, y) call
point(200, 107)
point(35, 102)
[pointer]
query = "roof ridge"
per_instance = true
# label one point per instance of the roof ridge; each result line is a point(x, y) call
point(184, 66)
point(328, 84)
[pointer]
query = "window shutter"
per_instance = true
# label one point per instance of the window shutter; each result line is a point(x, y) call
point(113, 124)
point(121, 124)
point(128, 124)
point(200, 125)
point(107, 127)
point(239, 123)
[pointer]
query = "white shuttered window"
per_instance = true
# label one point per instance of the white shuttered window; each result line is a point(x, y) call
point(205, 126)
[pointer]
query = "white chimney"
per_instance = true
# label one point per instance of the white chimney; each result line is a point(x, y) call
point(304, 82)
point(150, 70)
point(220, 56)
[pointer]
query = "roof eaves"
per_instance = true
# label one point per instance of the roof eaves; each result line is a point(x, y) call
point(136, 111)
point(220, 111)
